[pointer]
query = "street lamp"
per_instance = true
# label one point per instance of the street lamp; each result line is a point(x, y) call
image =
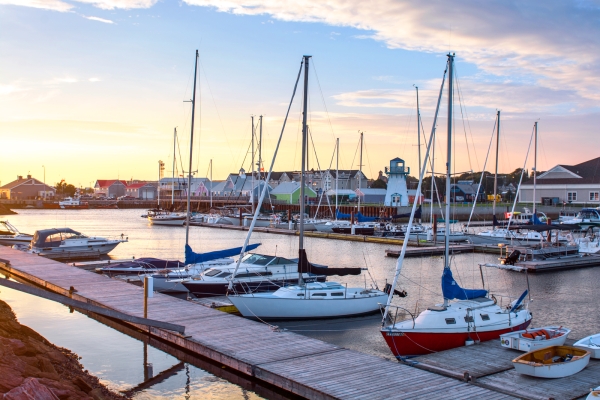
point(43, 166)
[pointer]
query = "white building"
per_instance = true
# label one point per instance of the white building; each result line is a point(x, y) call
point(397, 192)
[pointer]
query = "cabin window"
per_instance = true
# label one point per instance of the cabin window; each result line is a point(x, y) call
point(485, 317)
point(212, 272)
point(319, 294)
point(571, 196)
point(468, 318)
point(252, 274)
point(224, 275)
point(450, 321)
point(337, 294)
point(300, 294)
point(594, 196)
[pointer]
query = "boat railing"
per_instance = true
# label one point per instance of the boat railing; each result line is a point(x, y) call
point(394, 319)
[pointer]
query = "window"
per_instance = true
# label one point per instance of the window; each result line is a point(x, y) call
point(571, 196)
point(212, 272)
point(300, 294)
point(485, 317)
point(594, 196)
point(450, 321)
point(337, 294)
point(469, 318)
point(319, 294)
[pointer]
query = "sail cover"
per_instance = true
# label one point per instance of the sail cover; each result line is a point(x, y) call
point(306, 267)
point(535, 220)
point(192, 258)
point(452, 290)
point(339, 215)
point(362, 218)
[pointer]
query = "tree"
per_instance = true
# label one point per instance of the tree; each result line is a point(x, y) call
point(379, 184)
point(65, 189)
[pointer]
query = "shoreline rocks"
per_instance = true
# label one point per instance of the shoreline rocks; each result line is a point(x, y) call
point(33, 368)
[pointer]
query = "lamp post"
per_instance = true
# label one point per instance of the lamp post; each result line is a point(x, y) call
point(43, 166)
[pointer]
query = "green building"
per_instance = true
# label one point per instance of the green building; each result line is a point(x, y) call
point(290, 192)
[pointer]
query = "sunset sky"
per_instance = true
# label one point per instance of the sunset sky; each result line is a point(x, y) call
point(92, 89)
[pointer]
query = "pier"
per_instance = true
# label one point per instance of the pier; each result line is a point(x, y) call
point(297, 364)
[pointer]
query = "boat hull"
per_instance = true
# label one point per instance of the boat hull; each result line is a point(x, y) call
point(411, 344)
point(593, 348)
point(516, 341)
point(538, 368)
point(271, 308)
point(210, 289)
point(167, 222)
point(12, 240)
point(76, 252)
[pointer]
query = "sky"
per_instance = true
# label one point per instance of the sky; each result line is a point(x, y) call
point(93, 89)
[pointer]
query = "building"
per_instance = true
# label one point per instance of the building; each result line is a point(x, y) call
point(111, 188)
point(26, 189)
point(372, 196)
point(141, 190)
point(177, 187)
point(572, 184)
point(465, 191)
point(397, 192)
point(412, 193)
point(290, 192)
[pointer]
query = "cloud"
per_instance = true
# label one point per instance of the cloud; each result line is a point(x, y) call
point(6, 90)
point(120, 4)
point(55, 5)
point(94, 79)
point(552, 43)
point(106, 21)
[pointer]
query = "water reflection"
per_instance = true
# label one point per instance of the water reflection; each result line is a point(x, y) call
point(562, 297)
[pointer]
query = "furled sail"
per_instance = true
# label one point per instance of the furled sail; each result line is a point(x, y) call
point(192, 258)
point(418, 213)
point(452, 290)
point(339, 215)
point(306, 267)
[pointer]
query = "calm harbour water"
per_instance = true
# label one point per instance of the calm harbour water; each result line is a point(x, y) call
point(566, 298)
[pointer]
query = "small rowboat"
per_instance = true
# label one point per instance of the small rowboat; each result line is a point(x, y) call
point(533, 339)
point(594, 394)
point(552, 362)
point(591, 344)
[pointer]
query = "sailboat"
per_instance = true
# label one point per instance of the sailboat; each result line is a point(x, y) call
point(466, 315)
point(309, 300)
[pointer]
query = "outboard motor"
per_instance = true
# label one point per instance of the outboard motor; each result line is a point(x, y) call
point(397, 292)
point(512, 258)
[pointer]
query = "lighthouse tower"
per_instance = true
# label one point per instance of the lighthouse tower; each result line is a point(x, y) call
point(397, 192)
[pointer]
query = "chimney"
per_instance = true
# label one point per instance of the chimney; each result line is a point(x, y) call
point(28, 176)
point(19, 177)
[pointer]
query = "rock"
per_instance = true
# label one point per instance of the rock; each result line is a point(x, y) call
point(30, 389)
point(81, 384)
point(97, 394)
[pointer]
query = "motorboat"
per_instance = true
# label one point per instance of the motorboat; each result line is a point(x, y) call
point(533, 339)
point(587, 218)
point(164, 217)
point(257, 273)
point(427, 235)
point(312, 300)
point(73, 203)
point(361, 228)
point(588, 244)
point(466, 315)
point(65, 243)
point(525, 217)
point(552, 362)
point(9, 235)
point(145, 265)
point(591, 344)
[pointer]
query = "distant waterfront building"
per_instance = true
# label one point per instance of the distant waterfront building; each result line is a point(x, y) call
point(141, 190)
point(397, 192)
point(26, 189)
point(110, 188)
point(290, 192)
point(572, 184)
point(465, 191)
point(373, 196)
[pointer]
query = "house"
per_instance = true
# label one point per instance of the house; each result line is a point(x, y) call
point(177, 186)
point(111, 188)
point(278, 177)
point(142, 190)
point(465, 191)
point(373, 196)
point(26, 189)
point(290, 192)
point(573, 184)
point(412, 193)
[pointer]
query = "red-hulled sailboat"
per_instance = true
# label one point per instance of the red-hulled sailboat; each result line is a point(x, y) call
point(466, 315)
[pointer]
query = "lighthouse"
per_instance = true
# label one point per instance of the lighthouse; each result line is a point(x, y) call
point(397, 192)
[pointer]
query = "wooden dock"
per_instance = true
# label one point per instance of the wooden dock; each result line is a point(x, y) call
point(561, 263)
point(430, 251)
point(488, 365)
point(297, 364)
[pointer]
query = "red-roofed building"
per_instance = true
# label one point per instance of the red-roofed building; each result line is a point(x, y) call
point(26, 189)
point(109, 188)
point(141, 190)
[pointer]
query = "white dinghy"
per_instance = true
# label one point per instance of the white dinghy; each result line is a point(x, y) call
point(552, 362)
point(537, 338)
point(594, 394)
point(591, 344)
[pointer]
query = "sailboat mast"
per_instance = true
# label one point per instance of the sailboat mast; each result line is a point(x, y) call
point(337, 166)
point(259, 149)
point(173, 177)
point(252, 192)
point(448, 163)
point(304, 145)
point(535, 163)
point(418, 128)
point(360, 169)
point(496, 171)
point(432, 179)
point(211, 181)
point(189, 185)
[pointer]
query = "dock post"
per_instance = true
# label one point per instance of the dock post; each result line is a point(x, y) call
point(148, 292)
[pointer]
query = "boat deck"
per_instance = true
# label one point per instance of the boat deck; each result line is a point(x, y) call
point(297, 364)
point(489, 366)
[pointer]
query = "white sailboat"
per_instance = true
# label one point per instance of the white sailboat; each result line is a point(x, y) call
point(309, 300)
point(466, 315)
